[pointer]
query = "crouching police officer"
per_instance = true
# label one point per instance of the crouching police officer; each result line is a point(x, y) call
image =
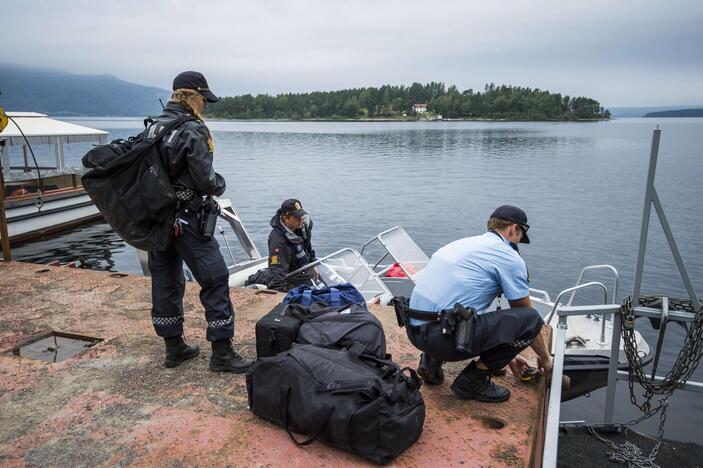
point(189, 152)
point(446, 316)
point(290, 248)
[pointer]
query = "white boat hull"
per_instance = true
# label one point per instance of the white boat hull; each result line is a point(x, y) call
point(29, 221)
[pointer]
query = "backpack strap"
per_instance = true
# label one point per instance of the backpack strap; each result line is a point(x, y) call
point(167, 129)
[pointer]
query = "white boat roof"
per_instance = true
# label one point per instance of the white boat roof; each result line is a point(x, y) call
point(41, 130)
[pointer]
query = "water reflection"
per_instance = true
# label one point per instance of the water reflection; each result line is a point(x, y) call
point(93, 247)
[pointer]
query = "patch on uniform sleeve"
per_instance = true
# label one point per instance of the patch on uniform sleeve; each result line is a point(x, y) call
point(274, 259)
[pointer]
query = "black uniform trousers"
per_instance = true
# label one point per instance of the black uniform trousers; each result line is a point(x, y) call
point(205, 261)
point(498, 337)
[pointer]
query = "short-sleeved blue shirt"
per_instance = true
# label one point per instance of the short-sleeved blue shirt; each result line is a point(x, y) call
point(472, 271)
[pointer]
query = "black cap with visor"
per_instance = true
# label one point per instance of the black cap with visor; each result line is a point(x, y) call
point(195, 81)
point(516, 215)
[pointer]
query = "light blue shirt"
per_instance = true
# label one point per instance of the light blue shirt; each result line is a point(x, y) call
point(472, 271)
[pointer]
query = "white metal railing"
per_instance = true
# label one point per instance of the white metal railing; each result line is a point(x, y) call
point(551, 440)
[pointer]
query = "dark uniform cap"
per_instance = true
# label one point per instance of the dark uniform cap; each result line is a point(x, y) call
point(195, 81)
point(292, 207)
point(516, 215)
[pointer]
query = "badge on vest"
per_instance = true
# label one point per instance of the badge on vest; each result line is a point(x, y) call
point(274, 259)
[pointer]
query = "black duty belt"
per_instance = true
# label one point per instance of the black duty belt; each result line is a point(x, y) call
point(448, 317)
point(458, 321)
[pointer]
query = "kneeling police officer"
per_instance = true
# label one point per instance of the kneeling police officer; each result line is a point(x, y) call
point(446, 315)
point(188, 151)
point(290, 248)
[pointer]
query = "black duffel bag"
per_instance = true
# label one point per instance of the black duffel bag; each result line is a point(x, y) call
point(356, 402)
point(330, 327)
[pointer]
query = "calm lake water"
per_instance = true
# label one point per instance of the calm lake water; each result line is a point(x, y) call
point(581, 184)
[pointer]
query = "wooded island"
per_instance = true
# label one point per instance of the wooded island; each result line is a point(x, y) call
point(418, 101)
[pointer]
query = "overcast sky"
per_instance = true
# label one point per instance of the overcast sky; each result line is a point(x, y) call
point(622, 53)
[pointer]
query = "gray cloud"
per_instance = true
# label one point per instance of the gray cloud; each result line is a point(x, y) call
point(619, 52)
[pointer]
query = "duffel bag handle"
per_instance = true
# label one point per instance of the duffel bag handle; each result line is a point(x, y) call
point(321, 421)
point(413, 382)
point(298, 311)
point(306, 300)
point(389, 366)
point(335, 297)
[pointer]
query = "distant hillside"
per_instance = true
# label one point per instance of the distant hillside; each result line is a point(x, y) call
point(642, 111)
point(63, 94)
point(677, 113)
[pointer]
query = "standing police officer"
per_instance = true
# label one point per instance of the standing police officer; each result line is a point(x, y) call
point(188, 152)
point(461, 280)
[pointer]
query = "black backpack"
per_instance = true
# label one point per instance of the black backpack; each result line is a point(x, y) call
point(330, 327)
point(359, 403)
point(129, 183)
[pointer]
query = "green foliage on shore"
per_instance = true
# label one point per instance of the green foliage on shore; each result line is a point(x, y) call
point(396, 102)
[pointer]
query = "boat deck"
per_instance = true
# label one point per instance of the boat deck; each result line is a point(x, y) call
point(115, 404)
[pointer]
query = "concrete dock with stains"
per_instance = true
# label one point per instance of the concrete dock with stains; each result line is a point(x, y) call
point(114, 404)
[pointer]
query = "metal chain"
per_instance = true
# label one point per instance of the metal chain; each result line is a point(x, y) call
point(686, 363)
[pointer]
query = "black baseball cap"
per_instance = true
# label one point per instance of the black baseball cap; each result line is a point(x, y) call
point(292, 207)
point(516, 215)
point(195, 81)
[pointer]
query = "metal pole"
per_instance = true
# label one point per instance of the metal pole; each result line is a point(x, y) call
point(654, 153)
point(675, 250)
point(613, 368)
point(662, 332)
point(5, 155)
point(26, 158)
point(6, 253)
point(551, 438)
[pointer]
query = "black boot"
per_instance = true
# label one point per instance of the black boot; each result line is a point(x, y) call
point(177, 351)
point(430, 370)
point(225, 359)
point(475, 384)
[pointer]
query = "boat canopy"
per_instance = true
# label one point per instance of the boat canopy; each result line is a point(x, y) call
point(41, 130)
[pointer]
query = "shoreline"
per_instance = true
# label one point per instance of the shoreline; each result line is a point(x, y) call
point(222, 119)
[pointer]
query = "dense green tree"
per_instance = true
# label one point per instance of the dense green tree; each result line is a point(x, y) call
point(494, 102)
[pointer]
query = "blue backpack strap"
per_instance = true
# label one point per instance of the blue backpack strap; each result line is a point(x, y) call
point(335, 297)
point(306, 299)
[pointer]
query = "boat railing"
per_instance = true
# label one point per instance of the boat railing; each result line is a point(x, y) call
point(551, 440)
point(348, 265)
point(231, 217)
point(573, 290)
point(397, 244)
point(539, 292)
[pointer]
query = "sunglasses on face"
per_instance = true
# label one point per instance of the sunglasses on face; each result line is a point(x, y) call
point(524, 227)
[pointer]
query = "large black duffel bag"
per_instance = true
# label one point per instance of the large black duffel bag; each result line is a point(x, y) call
point(359, 403)
point(330, 327)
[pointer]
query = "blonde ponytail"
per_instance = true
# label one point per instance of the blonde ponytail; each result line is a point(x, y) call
point(185, 98)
